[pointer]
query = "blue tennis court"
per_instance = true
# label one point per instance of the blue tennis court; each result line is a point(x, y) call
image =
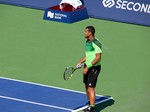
point(21, 96)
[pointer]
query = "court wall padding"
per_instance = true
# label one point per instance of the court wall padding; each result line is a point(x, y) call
point(128, 11)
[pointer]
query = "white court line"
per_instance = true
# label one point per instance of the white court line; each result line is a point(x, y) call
point(57, 88)
point(48, 86)
point(84, 107)
point(41, 85)
point(35, 103)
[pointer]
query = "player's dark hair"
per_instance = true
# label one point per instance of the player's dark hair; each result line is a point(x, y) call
point(91, 29)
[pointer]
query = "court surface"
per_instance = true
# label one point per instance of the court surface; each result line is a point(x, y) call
point(38, 51)
point(23, 96)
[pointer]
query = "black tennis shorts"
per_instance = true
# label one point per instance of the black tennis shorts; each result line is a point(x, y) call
point(90, 79)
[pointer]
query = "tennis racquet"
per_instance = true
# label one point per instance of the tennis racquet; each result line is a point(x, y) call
point(69, 72)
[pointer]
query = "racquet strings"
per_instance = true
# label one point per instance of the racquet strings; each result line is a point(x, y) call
point(68, 73)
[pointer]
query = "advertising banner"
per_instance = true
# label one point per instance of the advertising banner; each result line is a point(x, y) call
point(66, 17)
point(128, 11)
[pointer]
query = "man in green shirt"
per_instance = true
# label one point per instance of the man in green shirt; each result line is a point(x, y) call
point(92, 66)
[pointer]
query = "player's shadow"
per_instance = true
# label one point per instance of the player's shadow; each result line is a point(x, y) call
point(103, 105)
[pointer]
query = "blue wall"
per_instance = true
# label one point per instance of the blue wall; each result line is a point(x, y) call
point(129, 11)
point(120, 10)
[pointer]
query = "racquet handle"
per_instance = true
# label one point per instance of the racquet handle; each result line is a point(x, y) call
point(79, 66)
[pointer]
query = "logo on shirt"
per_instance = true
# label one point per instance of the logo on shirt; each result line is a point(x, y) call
point(90, 84)
point(89, 46)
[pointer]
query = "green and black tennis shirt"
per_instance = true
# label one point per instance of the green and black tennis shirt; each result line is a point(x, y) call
point(92, 48)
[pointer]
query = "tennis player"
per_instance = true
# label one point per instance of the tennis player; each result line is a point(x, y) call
point(92, 66)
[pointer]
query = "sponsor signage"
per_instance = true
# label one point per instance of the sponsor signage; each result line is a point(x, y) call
point(127, 5)
point(129, 11)
point(66, 17)
point(53, 15)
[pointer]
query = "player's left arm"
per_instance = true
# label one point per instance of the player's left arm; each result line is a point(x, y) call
point(97, 58)
point(98, 53)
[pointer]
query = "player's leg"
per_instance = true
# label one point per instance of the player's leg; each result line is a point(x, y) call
point(90, 92)
point(86, 87)
point(92, 76)
point(85, 77)
point(87, 94)
point(91, 95)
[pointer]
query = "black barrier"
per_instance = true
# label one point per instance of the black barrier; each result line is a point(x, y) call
point(129, 11)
